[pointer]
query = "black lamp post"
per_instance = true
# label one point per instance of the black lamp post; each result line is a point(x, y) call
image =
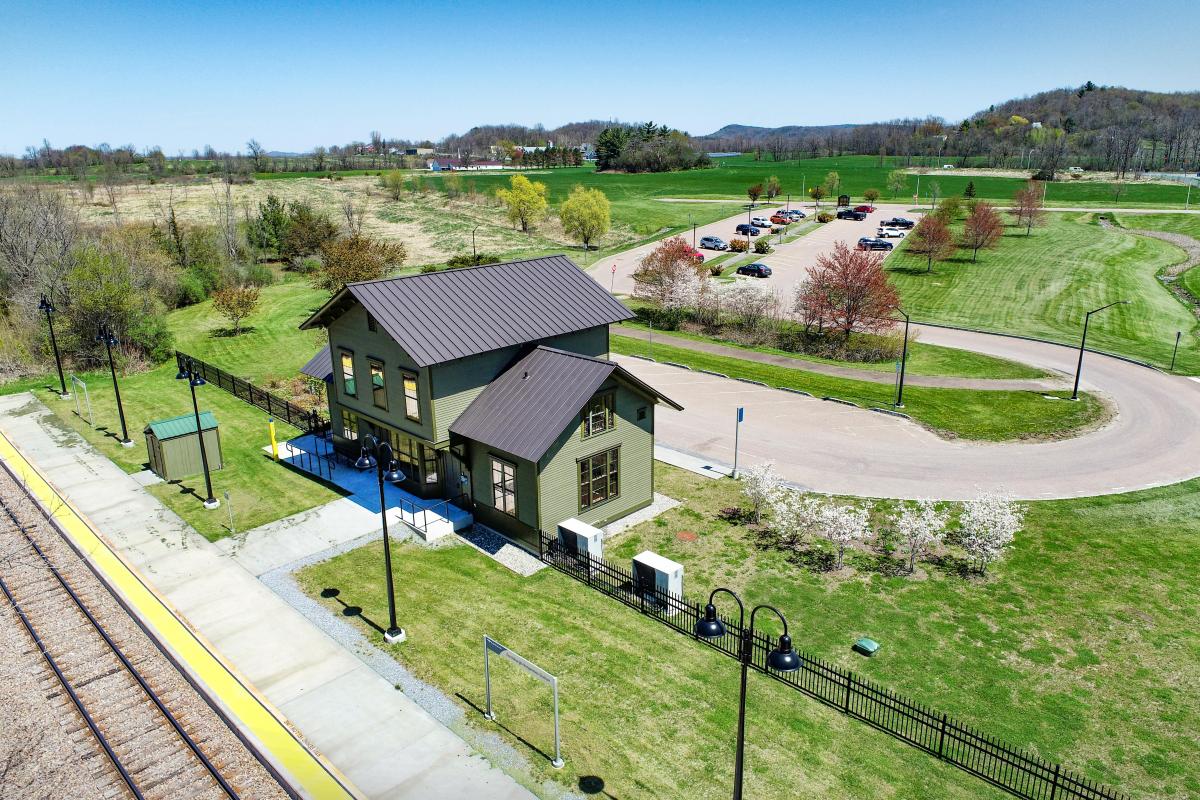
point(783, 658)
point(1175, 352)
point(377, 454)
point(903, 360)
point(1082, 342)
point(474, 252)
point(48, 307)
point(109, 338)
point(187, 370)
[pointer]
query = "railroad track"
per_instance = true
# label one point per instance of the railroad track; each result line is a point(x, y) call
point(159, 738)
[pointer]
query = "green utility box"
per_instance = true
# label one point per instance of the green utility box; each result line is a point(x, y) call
point(866, 647)
point(174, 448)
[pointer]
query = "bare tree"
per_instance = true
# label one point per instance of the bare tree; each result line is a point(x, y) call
point(1027, 207)
point(226, 219)
point(258, 154)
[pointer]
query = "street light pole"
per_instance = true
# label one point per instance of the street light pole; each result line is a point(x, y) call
point(1175, 351)
point(48, 307)
point(187, 370)
point(474, 252)
point(376, 454)
point(1083, 342)
point(903, 360)
point(783, 658)
point(107, 336)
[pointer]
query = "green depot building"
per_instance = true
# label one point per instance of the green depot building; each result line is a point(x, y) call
point(494, 388)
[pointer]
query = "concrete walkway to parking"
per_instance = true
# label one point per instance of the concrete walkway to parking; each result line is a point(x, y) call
point(381, 740)
point(871, 376)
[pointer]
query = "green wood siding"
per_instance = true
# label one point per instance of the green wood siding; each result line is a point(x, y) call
point(480, 458)
point(179, 457)
point(457, 383)
point(558, 479)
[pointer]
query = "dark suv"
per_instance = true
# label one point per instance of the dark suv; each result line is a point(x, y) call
point(850, 213)
point(867, 243)
point(757, 270)
point(750, 229)
point(897, 222)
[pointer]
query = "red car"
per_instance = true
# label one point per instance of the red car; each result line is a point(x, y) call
point(696, 254)
point(865, 209)
point(780, 219)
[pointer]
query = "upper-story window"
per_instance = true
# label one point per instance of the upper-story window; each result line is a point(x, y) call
point(371, 326)
point(598, 416)
point(349, 385)
point(412, 398)
point(378, 386)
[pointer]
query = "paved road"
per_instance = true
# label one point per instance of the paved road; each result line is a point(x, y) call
point(1154, 439)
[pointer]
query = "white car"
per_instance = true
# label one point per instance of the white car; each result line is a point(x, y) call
point(890, 233)
point(761, 222)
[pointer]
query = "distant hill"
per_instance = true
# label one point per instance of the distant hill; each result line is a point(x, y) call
point(756, 133)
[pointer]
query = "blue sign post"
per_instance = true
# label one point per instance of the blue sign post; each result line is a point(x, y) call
point(741, 416)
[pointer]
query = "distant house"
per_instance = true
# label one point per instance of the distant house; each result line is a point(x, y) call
point(494, 388)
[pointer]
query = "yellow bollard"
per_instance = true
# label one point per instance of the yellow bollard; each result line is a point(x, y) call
point(274, 444)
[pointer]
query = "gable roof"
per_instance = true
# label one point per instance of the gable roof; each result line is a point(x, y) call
point(455, 313)
point(525, 409)
point(320, 366)
point(182, 425)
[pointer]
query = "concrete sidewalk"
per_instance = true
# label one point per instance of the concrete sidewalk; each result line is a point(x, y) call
point(379, 738)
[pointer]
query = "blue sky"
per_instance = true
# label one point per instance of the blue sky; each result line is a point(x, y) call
point(296, 74)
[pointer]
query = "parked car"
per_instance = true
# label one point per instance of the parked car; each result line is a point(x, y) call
point(714, 243)
point(897, 222)
point(756, 270)
point(796, 214)
point(865, 209)
point(850, 213)
point(744, 229)
point(890, 233)
point(760, 222)
point(698, 256)
point(866, 243)
point(781, 219)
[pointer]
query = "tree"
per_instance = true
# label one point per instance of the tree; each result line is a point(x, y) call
point(356, 257)
point(393, 183)
point(307, 231)
point(852, 290)
point(871, 195)
point(982, 230)
point(843, 525)
point(773, 187)
point(949, 209)
point(235, 303)
point(268, 230)
point(920, 526)
point(833, 183)
point(525, 200)
point(932, 238)
point(794, 515)
point(897, 179)
point(1027, 207)
point(761, 484)
point(989, 523)
point(1117, 188)
point(754, 191)
point(817, 192)
point(667, 274)
point(586, 215)
point(258, 154)
point(969, 191)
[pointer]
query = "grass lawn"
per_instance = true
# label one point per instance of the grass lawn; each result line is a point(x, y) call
point(1187, 224)
point(963, 413)
point(1191, 281)
point(923, 359)
point(1079, 644)
point(1042, 285)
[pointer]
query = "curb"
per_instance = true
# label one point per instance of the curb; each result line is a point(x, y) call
point(889, 412)
point(676, 364)
point(747, 380)
point(711, 372)
point(1126, 359)
point(841, 401)
point(794, 391)
point(644, 358)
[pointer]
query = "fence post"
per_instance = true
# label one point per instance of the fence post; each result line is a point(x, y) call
point(269, 409)
point(541, 546)
point(846, 702)
point(1054, 784)
point(942, 737)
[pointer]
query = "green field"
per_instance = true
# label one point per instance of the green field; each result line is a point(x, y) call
point(962, 413)
point(1042, 285)
point(1187, 224)
point(1080, 645)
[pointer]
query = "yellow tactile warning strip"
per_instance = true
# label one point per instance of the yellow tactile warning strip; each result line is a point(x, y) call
point(307, 773)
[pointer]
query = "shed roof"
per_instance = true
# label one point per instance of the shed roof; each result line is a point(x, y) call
point(320, 366)
point(442, 316)
point(180, 426)
point(524, 410)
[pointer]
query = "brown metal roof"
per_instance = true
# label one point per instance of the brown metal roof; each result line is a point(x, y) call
point(319, 366)
point(524, 410)
point(450, 314)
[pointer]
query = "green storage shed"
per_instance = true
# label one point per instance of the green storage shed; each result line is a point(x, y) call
point(174, 450)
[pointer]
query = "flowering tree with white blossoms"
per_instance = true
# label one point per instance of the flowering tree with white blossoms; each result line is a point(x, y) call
point(921, 526)
point(795, 514)
point(989, 523)
point(843, 525)
point(761, 484)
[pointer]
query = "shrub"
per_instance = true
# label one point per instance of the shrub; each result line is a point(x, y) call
point(762, 247)
point(739, 246)
point(715, 269)
point(191, 289)
point(307, 265)
point(464, 260)
point(426, 268)
point(824, 216)
point(259, 275)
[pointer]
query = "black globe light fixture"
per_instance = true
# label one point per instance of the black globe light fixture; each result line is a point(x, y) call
point(48, 309)
point(782, 658)
point(379, 455)
point(187, 371)
point(1083, 342)
point(109, 338)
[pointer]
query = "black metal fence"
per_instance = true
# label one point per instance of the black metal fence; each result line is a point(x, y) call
point(1022, 774)
point(309, 421)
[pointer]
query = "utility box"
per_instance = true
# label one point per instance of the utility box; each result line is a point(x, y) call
point(655, 577)
point(174, 449)
point(579, 538)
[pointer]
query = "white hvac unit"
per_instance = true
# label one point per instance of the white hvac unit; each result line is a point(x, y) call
point(656, 577)
point(579, 538)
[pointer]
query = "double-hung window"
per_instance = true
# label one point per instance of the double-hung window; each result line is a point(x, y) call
point(349, 425)
point(504, 486)
point(412, 398)
point(599, 479)
point(378, 385)
point(349, 386)
point(598, 416)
